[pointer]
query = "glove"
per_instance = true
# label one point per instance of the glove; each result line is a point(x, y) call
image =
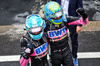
point(28, 51)
point(82, 12)
point(29, 48)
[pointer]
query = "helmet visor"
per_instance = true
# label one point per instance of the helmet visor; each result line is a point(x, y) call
point(55, 15)
point(35, 31)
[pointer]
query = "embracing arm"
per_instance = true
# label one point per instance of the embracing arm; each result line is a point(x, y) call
point(83, 20)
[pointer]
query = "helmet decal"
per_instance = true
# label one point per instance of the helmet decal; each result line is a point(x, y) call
point(53, 7)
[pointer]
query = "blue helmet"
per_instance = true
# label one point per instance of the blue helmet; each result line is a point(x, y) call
point(35, 26)
point(53, 10)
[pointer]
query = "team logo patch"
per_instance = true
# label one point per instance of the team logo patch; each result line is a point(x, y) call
point(41, 49)
point(57, 33)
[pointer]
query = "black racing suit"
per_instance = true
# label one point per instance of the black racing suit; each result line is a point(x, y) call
point(58, 40)
point(38, 60)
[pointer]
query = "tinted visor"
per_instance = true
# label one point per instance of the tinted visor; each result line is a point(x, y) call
point(55, 15)
point(35, 31)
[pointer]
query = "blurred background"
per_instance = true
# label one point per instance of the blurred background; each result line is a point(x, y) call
point(12, 19)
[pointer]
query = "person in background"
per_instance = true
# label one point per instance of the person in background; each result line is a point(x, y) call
point(33, 45)
point(56, 30)
point(69, 8)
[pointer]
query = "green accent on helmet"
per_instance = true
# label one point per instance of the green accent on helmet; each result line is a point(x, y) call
point(55, 22)
point(54, 7)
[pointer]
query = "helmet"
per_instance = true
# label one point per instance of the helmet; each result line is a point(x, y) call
point(35, 26)
point(53, 10)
